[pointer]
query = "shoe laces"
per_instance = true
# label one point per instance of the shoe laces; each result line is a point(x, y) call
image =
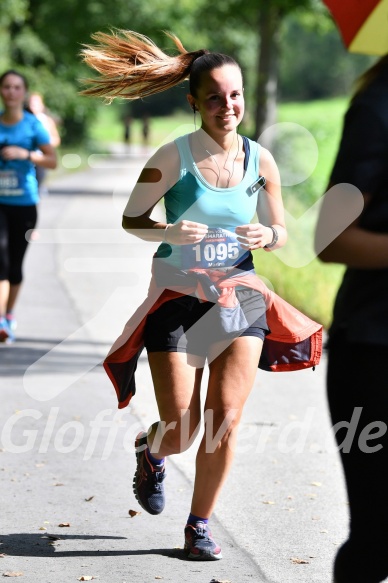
point(155, 479)
point(201, 531)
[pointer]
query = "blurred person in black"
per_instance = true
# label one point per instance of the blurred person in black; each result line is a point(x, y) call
point(357, 378)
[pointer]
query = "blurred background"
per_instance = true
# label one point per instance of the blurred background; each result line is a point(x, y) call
point(297, 72)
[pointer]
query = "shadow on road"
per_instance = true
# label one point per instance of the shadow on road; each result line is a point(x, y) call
point(18, 357)
point(38, 545)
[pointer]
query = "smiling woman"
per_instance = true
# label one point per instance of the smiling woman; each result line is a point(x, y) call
point(209, 303)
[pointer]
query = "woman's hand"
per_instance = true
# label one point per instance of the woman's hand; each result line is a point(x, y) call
point(14, 153)
point(185, 233)
point(254, 236)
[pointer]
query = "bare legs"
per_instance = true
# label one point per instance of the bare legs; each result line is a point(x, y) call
point(4, 295)
point(177, 390)
point(8, 295)
point(231, 379)
point(14, 290)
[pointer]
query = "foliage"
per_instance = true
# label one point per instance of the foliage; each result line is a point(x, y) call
point(314, 63)
point(44, 38)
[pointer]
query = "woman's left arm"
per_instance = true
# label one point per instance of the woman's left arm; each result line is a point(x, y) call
point(46, 157)
point(270, 211)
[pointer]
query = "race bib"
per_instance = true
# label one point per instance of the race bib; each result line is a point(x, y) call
point(11, 183)
point(219, 248)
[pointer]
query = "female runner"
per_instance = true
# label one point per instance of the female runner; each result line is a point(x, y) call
point(209, 180)
point(21, 136)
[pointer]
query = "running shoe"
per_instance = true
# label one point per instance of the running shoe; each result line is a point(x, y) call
point(11, 321)
point(199, 543)
point(5, 332)
point(148, 481)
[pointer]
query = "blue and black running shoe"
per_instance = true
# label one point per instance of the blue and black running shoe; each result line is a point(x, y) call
point(148, 481)
point(199, 543)
point(6, 334)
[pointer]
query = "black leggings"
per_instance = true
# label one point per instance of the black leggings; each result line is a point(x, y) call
point(358, 377)
point(15, 221)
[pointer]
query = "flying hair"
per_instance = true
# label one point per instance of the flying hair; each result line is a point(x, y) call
point(131, 66)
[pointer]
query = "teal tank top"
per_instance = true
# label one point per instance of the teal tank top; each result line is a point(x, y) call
point(222, 209)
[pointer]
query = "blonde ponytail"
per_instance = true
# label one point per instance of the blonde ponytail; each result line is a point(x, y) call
point(131, 66)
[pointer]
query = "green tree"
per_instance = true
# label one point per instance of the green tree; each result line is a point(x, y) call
point(47, 42)
point(268, 37)
point(315, 63)
point(12, 11)
point(264, 19)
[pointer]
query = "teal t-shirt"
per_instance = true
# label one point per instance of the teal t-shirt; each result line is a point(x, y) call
point(18, 184)
point(222, 209)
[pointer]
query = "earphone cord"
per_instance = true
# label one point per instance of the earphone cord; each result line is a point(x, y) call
point(230, 172)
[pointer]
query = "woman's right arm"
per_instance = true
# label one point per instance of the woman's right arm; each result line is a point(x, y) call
point(156, 178)
point(159, 174)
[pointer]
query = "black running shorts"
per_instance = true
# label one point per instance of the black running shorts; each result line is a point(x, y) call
point(186, 324)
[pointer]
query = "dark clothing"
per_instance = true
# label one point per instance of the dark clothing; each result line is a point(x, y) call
point(358, 345)
point(185, 324)
point(362, 160)
point(357, 378)
point(15, 221)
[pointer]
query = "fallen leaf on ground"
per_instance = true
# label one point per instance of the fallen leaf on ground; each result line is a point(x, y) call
point(86, 578)
point(58, 484)
point(220, 581)
point(43, 528)
point(158, 577)
point(268, 502)
point(13, 574)
point(89, 499)
point(316, 484)
point(133, 513)
point(297, 561)
point(64, 524)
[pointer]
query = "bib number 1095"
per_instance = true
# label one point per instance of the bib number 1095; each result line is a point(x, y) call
point(219, 248)
point(215, 252)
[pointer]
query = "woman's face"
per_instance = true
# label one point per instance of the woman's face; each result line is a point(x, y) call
point(220, 99)
point(13, 91)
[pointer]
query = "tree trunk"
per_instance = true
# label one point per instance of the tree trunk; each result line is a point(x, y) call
point(267, 78)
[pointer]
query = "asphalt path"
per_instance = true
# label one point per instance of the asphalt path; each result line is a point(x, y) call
point(66, 451)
